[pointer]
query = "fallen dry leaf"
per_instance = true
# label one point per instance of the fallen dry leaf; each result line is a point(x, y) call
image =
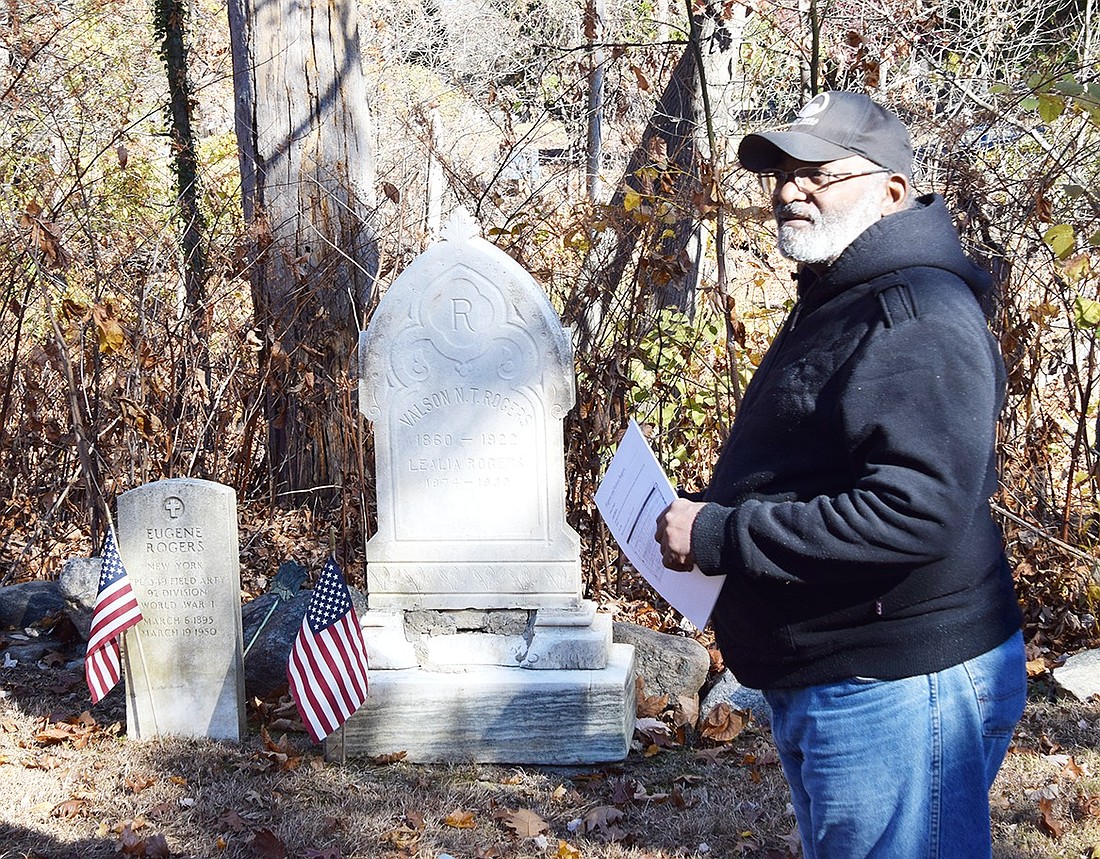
point(52, 736)
point(162, 808)
point(525, 823)
point(567, 851)
point(655, 734)
point(648, 707)
point(686, 712)
point(391, 758)
point(601, 820)
point(679, 799)
point(1048, 823)
point(1036, 667)
point(156, 847)
point(711, 756)
point(459, 819)
point(233, 820)
point(138, 783)
point(132, 844)
point(52, 659)
point(70, 808)
point(627, 790)
point(1072, 769)
point(403, 838)
point(281, 754)
point(44, 762)
point(267, 845)
point(723, 723)
point(1087, 806)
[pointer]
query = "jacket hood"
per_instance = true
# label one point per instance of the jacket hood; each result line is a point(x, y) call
point(920, 236)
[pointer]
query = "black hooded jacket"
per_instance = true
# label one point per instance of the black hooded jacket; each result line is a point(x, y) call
point(849, 508)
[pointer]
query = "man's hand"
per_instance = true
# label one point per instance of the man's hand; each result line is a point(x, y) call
point(674, 533)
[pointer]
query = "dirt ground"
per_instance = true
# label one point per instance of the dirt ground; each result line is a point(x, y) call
point(75, 788)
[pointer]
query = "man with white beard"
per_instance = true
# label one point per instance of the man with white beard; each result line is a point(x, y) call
point(867, 592)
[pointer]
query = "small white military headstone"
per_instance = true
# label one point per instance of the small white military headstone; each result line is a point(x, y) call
point(184, 665)
point(481, 646)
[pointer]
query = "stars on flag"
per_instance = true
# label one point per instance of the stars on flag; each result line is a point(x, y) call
point(115, 611)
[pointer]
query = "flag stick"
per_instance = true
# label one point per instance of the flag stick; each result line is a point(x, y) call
point(260, 629)
point(148, 685)
point(343, 734)
point(131, 692)
point(137, 638)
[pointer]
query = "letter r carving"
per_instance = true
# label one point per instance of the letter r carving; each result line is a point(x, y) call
point(461, 307)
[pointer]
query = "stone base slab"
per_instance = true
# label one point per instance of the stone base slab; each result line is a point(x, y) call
point(445, 584)
point(492, 714)
point(559, 639)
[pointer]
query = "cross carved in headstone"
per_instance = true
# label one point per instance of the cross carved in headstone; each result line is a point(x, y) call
point(173, 506)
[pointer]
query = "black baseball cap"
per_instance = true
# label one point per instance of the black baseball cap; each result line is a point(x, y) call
point(831, 126)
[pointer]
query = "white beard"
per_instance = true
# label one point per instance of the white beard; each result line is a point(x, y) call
point(826, 236)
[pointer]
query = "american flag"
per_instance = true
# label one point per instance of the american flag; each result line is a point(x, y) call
point(328, 662)
point(116, 610)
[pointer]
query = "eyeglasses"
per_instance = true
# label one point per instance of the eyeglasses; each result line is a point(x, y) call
point(808, 180)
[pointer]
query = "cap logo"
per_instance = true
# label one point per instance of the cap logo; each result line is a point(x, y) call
point(809, 113)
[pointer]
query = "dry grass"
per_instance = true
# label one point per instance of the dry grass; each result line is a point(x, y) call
point(71, 789)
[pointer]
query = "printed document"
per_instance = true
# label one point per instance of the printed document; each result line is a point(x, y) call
point(630, 498)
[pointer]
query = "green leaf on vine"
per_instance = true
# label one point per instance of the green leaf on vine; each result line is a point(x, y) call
point(1086, 312)
point(1060, 239)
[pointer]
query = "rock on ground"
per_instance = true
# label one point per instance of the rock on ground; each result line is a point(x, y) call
point(265, 663)
point(668, 664)
point(729, 691)
point(1080, 675)
point(26, 603)
point(79, 583)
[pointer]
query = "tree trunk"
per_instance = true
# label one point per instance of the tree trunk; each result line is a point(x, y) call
point(674, 165)
point(594, 33)
point(304, 137)
point(169, 18)
point(433, 204)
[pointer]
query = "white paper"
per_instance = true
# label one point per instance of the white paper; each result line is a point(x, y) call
point(630, 498)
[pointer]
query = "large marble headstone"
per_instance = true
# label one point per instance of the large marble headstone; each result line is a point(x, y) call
point(480, 644)
point(184, 665)
point(467, 375)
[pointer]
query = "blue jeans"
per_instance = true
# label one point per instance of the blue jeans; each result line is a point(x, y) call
point(900, 769)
